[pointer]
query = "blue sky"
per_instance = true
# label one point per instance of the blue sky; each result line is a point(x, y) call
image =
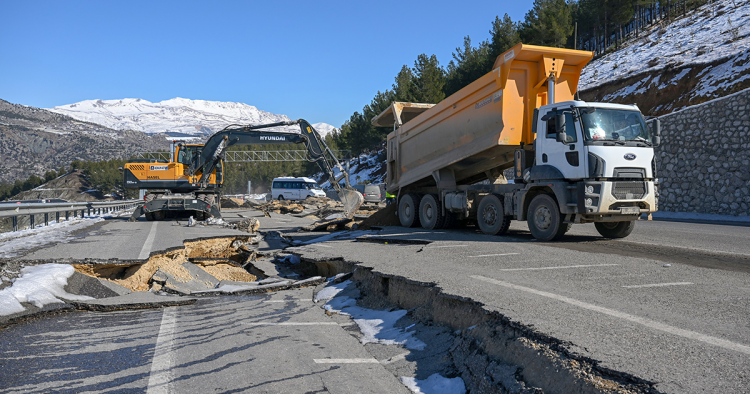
point(319, 60)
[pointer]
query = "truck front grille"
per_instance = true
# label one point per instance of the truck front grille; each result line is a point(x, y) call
point(629, 190)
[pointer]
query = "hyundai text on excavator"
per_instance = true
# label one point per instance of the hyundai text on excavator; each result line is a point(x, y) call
point(191, 180)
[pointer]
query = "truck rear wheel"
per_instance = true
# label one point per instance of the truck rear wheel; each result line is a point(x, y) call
point(615, 229)
point(491, 216)
point(408, 210)
point(431, 213)
point(544, 219)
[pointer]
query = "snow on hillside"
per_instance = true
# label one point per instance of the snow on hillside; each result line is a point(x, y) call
point(707, 52)
point(365, 169)
point(175, 116)
point(714, 31)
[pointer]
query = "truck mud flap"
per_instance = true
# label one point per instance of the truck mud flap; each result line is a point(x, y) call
point(175, 205)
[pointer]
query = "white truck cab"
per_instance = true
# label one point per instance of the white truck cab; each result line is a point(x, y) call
point(607, 147)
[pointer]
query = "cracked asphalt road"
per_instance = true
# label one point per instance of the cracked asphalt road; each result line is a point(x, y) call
point(684, 327)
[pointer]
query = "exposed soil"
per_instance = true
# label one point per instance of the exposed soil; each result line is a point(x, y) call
point(137, 276)
point(384, 217)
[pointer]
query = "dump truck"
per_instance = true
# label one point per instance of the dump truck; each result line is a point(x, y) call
point(191, 180)
point(572, 161)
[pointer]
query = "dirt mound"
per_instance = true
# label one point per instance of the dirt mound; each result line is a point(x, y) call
point(384, 217)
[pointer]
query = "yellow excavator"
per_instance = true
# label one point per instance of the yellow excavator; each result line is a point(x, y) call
point(191, 180)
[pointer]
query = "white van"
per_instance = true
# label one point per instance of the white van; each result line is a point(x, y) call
point(288, 188)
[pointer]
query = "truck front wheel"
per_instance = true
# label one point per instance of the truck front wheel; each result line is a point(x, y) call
point(431, 213)
point(544, 218)
point(408, 210)
point(491, 216)
point(615, 229)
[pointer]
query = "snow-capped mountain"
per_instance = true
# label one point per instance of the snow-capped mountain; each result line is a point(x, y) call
point(698, 57)
point(174, 117)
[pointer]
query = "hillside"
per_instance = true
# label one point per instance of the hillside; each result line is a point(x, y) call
point(177, 117)
point(699, 57)
point(72, 187)
point(34, 140)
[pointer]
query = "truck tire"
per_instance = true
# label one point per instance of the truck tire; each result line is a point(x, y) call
point(491, 216)
point(281, 198)
point(408, 210)
point(149, 216)
point(544, 219)
point(615, 229)
point(431, 213)
point(450, 220)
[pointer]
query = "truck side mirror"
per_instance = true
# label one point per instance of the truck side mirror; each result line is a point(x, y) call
point(656, 131)
point(560, 126)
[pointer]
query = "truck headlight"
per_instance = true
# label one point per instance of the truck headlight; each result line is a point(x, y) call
point(590, 189)
point(589, 201)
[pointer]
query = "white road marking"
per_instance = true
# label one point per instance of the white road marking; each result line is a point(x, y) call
point(446, 246)
point(346, 361)
point(723, 343)
point(324, 246)
point(659, 285)
point(160, 379)
point(493, 255)
point(292, 300)
point(146, 250)
point(555, 268)
point(323, 323)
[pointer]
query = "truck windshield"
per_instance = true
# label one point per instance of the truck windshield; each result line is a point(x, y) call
point(614, 125)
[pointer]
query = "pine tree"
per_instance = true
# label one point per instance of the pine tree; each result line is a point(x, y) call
point(430, 79)
point(467, 66)
point(548, 23)
point(505, 34)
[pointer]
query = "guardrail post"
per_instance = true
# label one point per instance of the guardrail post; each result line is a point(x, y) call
point(46, 219)
point(31, 220)
point(89, 211)
point(15, 223)
point(57, 217)
point(66, 215)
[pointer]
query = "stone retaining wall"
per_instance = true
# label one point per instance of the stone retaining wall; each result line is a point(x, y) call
point(703, 161)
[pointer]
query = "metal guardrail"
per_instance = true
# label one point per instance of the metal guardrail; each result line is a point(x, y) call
point(14, 209)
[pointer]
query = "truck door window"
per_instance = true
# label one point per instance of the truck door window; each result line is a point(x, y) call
point(570, 127)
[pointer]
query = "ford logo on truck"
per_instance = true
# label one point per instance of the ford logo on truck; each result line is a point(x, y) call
point(629, 156)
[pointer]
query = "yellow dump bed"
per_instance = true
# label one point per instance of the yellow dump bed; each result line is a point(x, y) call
point(477, 129)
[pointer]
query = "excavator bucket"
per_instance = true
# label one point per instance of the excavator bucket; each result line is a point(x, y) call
point(351, 199)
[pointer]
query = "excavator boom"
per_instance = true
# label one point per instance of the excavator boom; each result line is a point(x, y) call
point(207, 159)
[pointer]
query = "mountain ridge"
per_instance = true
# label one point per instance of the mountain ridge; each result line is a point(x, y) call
point(177, 116)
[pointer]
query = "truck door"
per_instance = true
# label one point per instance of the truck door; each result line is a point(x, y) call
point(566, 156)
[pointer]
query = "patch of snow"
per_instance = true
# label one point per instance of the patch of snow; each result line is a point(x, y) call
point(331, 291)
point(377, 326)
point(435, 384)
point(178, 115)
point(699, 38)
point(39, 285)
point(13, 244)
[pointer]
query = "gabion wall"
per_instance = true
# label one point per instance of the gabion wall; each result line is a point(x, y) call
point(703, 162)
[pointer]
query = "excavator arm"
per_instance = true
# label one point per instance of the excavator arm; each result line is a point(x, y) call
point(214, 149)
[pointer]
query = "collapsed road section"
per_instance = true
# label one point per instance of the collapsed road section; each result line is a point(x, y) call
point(212, 266)
point(490, 352)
